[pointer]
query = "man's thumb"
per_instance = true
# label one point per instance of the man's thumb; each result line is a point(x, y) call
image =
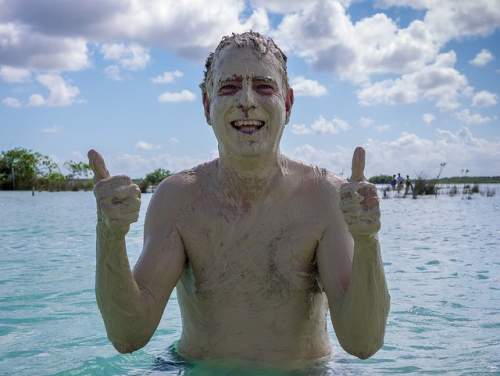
point(358, 165)
point(97, 165)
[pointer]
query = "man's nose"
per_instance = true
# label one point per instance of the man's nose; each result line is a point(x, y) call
point(246, 100)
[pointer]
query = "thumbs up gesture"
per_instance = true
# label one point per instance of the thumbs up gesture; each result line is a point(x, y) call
point(118, 199)
point(359, 201)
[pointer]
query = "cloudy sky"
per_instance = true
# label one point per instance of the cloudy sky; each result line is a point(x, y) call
point(416, 82)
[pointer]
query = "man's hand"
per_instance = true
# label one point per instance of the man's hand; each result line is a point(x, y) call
point(359, 201)
point(118, 199)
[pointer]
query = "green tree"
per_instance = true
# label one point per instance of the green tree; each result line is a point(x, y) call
point(77, 169)
point(154, 178)
point(20, 168)
point(46, 166)
point(53, 181)
point(380, 179)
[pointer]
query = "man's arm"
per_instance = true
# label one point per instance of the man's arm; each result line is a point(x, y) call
point(352, 274)
point(132, 303)
point(357, 294)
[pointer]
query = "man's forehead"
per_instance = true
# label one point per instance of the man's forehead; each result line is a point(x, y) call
point(248, 77)
point(245, 61)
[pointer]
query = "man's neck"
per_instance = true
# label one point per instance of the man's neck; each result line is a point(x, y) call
point(250, 176)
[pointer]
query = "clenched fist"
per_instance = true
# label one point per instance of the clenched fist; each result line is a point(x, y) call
point(359, 201)
point(118, 199)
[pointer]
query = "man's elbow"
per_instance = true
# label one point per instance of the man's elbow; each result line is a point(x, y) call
point(363, 349)
point(127, 347)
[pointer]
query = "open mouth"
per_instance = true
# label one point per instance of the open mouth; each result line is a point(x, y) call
point(247, 126)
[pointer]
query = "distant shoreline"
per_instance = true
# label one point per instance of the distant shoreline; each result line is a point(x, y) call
point(386, 179)
point(86, 185)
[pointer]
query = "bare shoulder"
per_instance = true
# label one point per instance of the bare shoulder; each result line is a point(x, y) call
point(314, 176)
point(178, 190)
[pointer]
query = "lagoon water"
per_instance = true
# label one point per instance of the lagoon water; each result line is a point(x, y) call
point(442, 263)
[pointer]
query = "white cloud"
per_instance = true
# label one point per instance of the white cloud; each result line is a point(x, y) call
point(415, 4)
point(52, 130)
point(113, 72)
point(337, 160)
point(11, 102)
point(189, 28)
point(137, 165)
point(61, 93)
point(365, 122)
point(333, 126)
point(280, 6)
point(470, 118)
point(143, 145)
point(321, 126)
point(57, 36)
point(482, 58)
point(167, 77)
point(439, 82)
point(383, 127)
point(428, 118)
point(14, 75)
point(181, 96)
point(132, 57)
point(323, 34)
point(484, 99)
point(78, 155)
point(257, 21)
point(451, 19)
point(410, 154)
point(304, 87)
point(413, 155)
point(300, 129)
point(24, 47)
point(36, 100)
point(173, 140)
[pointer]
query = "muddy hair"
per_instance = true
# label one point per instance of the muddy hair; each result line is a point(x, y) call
point(252, 39)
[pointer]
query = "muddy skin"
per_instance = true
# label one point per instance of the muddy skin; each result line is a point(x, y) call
point(259, 246)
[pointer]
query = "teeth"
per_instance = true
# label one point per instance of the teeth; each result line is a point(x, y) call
point(248, 126)
point(248, 123)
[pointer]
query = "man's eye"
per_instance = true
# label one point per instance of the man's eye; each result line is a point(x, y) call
point(228, 88)
point(265, 88)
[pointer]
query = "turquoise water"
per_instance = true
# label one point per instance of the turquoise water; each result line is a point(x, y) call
point(442, 262)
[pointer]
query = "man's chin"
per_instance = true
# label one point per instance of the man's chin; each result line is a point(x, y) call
point(250, 149)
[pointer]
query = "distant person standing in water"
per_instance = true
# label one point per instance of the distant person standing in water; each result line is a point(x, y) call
point(393, 182)
point(399, 182)
point(408, 184)
point(257, 245)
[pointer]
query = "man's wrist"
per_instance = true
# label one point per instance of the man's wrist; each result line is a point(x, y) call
point(365, 239)
point(108, 233)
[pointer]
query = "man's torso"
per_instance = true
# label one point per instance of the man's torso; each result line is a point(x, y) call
point(250, 287)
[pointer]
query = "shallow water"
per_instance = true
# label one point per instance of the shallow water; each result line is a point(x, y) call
point(442, 262)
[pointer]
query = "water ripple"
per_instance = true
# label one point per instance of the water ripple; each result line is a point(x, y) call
point(439, 256)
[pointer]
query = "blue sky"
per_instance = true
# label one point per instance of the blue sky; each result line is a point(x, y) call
point(414, 82)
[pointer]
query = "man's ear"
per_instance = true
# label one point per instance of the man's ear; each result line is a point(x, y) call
point(206, 106)
point(288, 104)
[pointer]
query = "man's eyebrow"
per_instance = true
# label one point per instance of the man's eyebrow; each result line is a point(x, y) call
point(232, 78)
point(263, 79)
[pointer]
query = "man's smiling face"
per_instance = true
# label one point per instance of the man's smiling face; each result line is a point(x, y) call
point(248, 102)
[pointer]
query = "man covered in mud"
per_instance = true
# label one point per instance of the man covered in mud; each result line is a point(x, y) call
point(259, 246)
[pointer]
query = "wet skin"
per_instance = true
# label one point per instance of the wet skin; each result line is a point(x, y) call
point(259, 246)
point(251, 287)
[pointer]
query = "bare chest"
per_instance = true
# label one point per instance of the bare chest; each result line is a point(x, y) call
point(268, 250)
